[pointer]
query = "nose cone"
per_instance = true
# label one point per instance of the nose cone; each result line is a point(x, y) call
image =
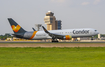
point(97, 32)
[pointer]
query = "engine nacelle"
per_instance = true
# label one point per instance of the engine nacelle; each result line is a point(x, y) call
point(67, 37)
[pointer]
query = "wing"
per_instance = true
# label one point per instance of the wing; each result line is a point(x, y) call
point(53, 35)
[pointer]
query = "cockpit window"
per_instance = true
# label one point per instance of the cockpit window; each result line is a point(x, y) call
point(95, 30)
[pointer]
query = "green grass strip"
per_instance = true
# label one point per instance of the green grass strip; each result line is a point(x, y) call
point(53, 57)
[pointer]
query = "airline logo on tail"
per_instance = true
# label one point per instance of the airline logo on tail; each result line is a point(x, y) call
point(15, 28)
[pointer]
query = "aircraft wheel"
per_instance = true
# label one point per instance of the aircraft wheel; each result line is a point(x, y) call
point(92, 38)
point(54, 41)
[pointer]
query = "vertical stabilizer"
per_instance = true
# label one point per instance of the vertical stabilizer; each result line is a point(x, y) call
point(15, 27)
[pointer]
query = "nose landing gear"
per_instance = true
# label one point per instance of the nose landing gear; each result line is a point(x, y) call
point(92, 38)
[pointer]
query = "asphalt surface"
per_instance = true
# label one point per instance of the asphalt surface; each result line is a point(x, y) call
point(50, 42)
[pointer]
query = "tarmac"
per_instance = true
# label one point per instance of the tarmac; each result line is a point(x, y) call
point(83, 41)
point(50, 44)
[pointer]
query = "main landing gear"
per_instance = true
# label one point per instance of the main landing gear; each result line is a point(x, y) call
point(55, 40)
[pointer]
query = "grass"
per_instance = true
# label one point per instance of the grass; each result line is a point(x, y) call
point(52, 57)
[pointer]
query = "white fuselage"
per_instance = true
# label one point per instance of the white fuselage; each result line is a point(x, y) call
point(83, 32)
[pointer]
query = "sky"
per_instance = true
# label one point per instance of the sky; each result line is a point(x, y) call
point(72, 13)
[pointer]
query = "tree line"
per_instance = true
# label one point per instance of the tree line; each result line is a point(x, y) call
point(3, 37)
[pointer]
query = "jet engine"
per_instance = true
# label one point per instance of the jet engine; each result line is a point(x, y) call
point(67, 37)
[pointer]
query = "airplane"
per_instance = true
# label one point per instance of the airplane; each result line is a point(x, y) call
point(66, 34)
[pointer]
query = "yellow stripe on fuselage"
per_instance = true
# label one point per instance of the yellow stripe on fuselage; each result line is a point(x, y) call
point(34, 33)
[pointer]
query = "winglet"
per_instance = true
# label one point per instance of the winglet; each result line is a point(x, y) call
point(45, 29)
point(33, 29)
